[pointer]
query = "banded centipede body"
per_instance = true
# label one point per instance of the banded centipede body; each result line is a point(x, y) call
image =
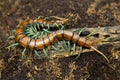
point(26, 41)
point(40, 43)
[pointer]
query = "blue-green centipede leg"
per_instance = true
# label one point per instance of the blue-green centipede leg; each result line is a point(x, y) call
point(55, 24)
point(32, 27)
point(62, 27)
point(79, 53)
point(55, 48)
point(46, 18)
point(42, 25)
point(42, 33)
point(92, 33)
point(37, 54)
point(46, 30)
point(23, 52)
point(40, 17)
point(48, 25)
point(61, 46)
point(13, 31)
point(74, 49)
point(38, 26)
point(12, 45)
point(68, 47)
point(81, 31)
point(45, 53)
point(35, 27)
point(11, 37)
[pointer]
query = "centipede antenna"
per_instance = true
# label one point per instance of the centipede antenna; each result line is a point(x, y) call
point(37, 54)
point(45, 52)
point(23, 52)
point(12, 45)
point(79, 53)
point(100, 53)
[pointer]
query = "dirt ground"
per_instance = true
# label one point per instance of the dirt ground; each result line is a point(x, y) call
point(81, 13)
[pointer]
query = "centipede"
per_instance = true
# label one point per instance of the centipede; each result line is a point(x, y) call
point(40, 43)
point(29, 35)
point(26, 41)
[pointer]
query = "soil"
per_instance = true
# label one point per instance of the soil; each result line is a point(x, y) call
point(81, 13)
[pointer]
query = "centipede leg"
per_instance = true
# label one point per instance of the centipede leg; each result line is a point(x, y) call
point(34, 26)
point(79, 53)
point(40, 17)
point(68, 47)
point(55, 24)
point(74, 49)
point(46, 18)
point(45, 53)
point(23, 52)
point(55, 48)
point(93, 32)
point(37, 54)
point(42, 33)
point(47, 31)
point(12, 45)
point(48, 26)
point(11, 37)
point(62, 27)
point(61, 46)
point(38, 26)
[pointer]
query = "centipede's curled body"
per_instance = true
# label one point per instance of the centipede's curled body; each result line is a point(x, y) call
point(41, 43)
